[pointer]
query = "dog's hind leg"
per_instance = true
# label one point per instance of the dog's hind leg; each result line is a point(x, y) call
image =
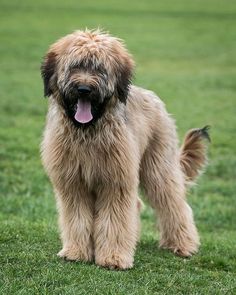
point(164, 184)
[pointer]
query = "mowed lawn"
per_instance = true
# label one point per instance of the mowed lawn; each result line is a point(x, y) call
point(185, 52)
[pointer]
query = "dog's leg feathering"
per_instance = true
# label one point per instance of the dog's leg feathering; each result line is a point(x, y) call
point(75, 221)
point(116, 228)
point(164, 184)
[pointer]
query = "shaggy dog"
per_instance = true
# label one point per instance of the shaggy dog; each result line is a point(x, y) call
point(103, 137)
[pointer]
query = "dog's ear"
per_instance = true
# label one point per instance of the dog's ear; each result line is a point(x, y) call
point(48, 68)
point(123, 80)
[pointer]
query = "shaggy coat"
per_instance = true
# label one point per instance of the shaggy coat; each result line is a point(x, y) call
point(96, 167)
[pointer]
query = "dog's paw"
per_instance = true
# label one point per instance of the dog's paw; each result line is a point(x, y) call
point(115, 262)
point(74, 253)
point(185, 252)
point(183, 243)
point(181, 250)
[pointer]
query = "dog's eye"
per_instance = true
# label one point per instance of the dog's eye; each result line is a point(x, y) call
point(103, 75)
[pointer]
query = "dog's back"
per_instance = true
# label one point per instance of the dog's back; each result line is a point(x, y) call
point(150, 119)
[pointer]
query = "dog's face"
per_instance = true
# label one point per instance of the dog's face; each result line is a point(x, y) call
point(83, 71)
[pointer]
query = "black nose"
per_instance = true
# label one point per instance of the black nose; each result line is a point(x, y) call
point(84, 90)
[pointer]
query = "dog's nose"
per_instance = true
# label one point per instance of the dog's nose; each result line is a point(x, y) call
point(84, 90)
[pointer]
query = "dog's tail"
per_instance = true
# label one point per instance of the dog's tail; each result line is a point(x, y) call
point(193, 155)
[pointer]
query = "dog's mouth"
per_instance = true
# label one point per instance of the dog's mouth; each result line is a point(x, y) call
point(84, 109)
point(83, 113)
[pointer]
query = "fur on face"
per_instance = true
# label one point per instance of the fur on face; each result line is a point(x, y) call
point(88, 60)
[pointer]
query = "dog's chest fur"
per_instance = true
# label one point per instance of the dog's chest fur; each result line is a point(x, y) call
point(94, 158)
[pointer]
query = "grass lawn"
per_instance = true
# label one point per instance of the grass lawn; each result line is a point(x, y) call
point(185, 52)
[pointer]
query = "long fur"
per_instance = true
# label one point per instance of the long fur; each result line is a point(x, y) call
point(193, 153)
point(96, 169)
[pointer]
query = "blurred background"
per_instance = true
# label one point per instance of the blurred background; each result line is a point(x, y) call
point(185, 52)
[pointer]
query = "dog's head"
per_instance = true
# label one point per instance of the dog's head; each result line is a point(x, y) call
point(84, 70)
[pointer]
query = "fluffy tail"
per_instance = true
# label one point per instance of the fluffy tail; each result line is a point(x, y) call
point(193, 156)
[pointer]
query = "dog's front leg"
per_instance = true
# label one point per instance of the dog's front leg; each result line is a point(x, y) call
point(116, 227)
point(76, 222)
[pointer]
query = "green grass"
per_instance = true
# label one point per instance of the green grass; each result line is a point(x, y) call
point(185, 51)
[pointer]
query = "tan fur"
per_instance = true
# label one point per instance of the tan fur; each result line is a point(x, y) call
point(193, 153)
point(96, 171)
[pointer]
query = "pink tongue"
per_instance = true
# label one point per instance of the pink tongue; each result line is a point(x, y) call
point(83, 112)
